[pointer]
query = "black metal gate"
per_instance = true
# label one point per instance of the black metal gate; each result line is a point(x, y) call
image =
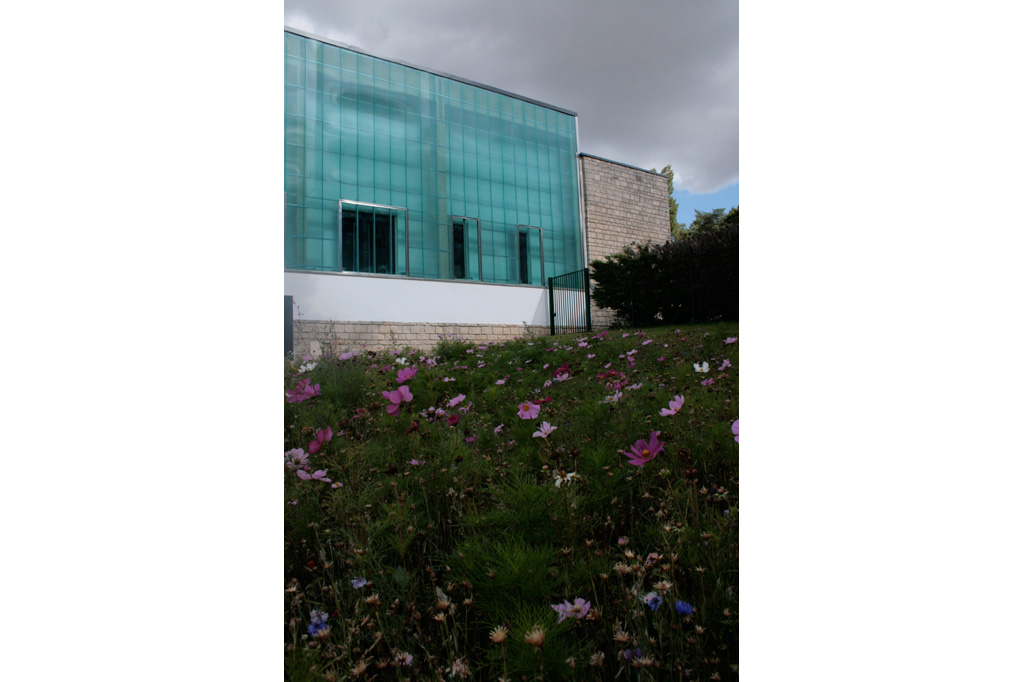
point(287, 325)
point(569, 302)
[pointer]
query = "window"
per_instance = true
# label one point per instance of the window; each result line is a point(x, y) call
point(369, 237)
point(467, 248)
point(530, 252)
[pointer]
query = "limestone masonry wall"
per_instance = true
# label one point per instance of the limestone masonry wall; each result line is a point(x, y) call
point(310, 336)
point(622, 205)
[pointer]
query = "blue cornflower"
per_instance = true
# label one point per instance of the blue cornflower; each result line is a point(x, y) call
point(683, 609)
point(653, 600)
point(317, 622)
point(358, 583)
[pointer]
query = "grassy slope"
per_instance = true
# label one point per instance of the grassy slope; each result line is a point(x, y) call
point(483, 520)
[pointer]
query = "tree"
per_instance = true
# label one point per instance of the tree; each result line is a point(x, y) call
point(673, 206)
point(712, 221)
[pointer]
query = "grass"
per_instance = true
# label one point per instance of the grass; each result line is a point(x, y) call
point(461, 533)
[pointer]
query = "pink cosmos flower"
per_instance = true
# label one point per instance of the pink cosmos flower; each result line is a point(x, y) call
point(453, 420)
point(406, 374)
point(736, 430)
point(297, 458)
point(498, 428)
point(708, 381)
point(577, 609)
point(528, 410)
point(397, 397)
point(645, 451)
point(731, 339)
point(545, 430)
point(322, 436)
point(318, 475)
point(456, 400)
point(673, 406)
point(415, 462)
point(302, 391)
point(725, 363)
point(647, 342)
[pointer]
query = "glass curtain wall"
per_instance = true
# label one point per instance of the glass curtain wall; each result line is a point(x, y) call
point(465, 166)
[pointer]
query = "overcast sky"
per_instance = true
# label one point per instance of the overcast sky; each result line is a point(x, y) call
point(654, 82)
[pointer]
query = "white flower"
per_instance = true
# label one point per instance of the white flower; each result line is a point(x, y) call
point(613, 398)
point(699, 367)
point(308, 367)
point(567, 479)
point(402, 361)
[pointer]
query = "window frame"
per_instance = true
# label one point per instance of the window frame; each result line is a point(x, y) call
point(342, 203)
point(479, 247)
point(519, 265)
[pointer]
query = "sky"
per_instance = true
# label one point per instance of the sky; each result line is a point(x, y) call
point(653, 83)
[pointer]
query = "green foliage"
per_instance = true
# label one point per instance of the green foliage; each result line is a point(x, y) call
point(420, 508)
point(673, 205)
point(449, 348)
point(705, 222)
point(690, 280)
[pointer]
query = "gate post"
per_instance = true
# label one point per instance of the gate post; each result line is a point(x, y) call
point(586, 295)
point(288, 341)
point(551, 303)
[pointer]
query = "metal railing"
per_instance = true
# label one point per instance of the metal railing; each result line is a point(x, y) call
point(569, 302)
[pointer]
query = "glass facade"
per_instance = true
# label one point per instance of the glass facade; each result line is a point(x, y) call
point(394, 170)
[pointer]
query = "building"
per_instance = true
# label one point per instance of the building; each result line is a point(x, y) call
point(420, 204)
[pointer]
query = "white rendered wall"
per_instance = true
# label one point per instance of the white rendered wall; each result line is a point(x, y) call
point(338, 297)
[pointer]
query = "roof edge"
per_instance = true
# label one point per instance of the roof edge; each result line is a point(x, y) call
point(442, 74)
point(619, 163)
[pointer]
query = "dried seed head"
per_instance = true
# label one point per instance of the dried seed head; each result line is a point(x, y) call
point(535, 637)
point(499, 634)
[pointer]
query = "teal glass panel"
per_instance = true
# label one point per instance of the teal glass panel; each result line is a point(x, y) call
point(348, 60)
point(369, 130)
point(332, 82)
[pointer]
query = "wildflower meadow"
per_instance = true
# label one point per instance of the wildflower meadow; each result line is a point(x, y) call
point(549, 508)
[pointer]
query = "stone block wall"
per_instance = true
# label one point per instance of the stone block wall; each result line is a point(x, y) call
point(311, 336)
point(622, 205)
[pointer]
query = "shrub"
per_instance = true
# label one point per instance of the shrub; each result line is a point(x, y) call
point(689, 280)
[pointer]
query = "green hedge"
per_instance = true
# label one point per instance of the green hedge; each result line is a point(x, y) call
point(691, 280)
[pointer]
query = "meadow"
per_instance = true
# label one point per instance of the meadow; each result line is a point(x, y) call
point(550, 508)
